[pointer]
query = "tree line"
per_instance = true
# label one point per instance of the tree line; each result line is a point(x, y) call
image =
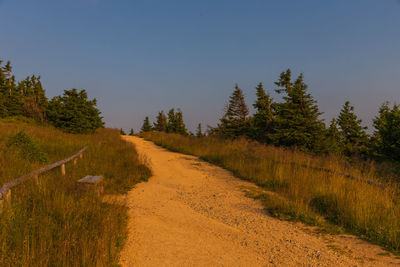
point(295, 121)
point(73, 111)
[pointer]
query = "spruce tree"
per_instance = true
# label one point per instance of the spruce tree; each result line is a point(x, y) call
point(171, 124)
point(34, 97)
point(199, 133)
point(146, 127)
point(233, 123)
point(8, 75)
point(3, 108)
point(180, 126)
point(74, 113)
point(297, 118)
point(387, 132)
point(161, 122)
point(264, 116)
point(354, 136)
point(333, 138)
point(131, 132)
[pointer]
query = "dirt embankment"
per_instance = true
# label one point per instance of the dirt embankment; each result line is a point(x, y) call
point(191, 213)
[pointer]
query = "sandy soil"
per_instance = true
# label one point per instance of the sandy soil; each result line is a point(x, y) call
point(191, 213)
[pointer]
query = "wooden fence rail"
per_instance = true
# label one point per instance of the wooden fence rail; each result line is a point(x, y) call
point(5, 189)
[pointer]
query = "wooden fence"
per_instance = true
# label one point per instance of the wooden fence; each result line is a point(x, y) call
point(5, 190)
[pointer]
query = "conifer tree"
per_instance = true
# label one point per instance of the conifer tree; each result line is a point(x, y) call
point(333, 138)
point(199, 133)
point(233, 123)
point(74, 113)
point(146, 127)
point(34, 97)
point(387, 133)
point(297, 119)
point(161, 122)
point(122, 132)
point(131, 132)
point(171, 124)
point(354, 136)
point(8, 70)
point(263, 118)
point(180, 126)
point(3, 108)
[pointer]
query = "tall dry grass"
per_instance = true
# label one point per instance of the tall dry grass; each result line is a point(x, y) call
point(53, 222)
point(303, 192)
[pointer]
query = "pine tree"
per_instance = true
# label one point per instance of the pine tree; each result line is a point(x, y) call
point(297, 118)
point(161, 122)
point(199, 133)
point(333, 138)
point(264, 116)
point(74, 113)
point(354, 136)
point(233, 123)
point(8, 76)
point(3, 95)
point(34, 98)
point(131, 132)
point(387, 133)
point(146, 127)
point(171, 124)
point(180, 126)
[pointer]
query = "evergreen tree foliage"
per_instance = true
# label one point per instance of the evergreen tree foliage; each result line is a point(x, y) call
point(199, 133)
point(146, 127)
point(262, 129)
point(28, 98)
point(122, 132)
point(34, 98)
point(180, 126)
point(333, 138)
point(131, 132)
point(175, 123)
point(234, 123)
point(171, 124)
point(161, 122)
point(387, 133)
point(74, 113)
point(297, 118)
point(354, 136)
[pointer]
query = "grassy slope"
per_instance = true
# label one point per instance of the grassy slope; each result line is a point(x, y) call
point(303, 194)
point(53, 223)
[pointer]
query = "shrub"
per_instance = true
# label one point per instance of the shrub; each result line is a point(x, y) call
point(27, 147)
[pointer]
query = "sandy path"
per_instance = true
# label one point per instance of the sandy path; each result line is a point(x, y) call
point(191, 213)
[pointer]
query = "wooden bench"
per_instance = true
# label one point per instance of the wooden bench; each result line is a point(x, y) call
point(92, 182)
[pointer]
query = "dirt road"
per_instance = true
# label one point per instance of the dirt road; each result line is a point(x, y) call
point(191, 213)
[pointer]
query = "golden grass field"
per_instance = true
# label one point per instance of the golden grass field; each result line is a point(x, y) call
point(53, 223)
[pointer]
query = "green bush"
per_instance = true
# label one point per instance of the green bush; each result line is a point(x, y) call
point(27, 147)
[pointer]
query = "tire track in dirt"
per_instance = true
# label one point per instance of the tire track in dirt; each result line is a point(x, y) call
point(192, 213)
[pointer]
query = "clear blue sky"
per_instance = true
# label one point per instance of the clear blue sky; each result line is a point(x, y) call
point(141, 56)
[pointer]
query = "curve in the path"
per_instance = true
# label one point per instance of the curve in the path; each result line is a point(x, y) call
point(191, 213)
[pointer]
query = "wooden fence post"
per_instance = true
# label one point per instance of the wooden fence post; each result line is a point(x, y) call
point(63, 169)
point(36, 178)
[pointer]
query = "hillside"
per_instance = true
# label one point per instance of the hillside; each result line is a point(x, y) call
point(53, 223)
